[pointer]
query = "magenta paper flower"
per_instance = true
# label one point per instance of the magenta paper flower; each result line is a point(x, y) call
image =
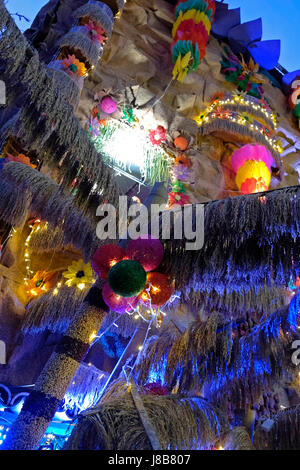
point(97, 34)
point(94, 126)
point(181, 172)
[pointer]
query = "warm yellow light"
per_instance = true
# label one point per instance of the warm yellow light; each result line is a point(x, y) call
point(93, 336)
point(81, 286)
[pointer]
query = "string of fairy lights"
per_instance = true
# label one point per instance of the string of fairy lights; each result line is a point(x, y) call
point(208, 116)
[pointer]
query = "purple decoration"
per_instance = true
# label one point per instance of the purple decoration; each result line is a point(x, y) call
point(265, 53)
point(225, 21)
point(241, 36)
point(147, 250)
point(116, 303)
point(181, 172)
point(94, 127)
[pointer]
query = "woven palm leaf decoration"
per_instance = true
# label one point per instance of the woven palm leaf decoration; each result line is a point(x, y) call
point(191, 30)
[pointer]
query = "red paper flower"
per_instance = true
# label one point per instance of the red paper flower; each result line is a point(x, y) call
point(179, 199)
point(158, 135)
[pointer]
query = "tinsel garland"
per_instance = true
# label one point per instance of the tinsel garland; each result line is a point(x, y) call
point(48, 122)
point(284, 433)
point(179, 422)
point(206, 355)
point(249, 241)
point(35, 192)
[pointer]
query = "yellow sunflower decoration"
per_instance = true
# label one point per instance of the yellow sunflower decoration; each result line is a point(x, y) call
point(79, 274)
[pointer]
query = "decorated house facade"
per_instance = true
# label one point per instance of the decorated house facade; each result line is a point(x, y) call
point(141, 343)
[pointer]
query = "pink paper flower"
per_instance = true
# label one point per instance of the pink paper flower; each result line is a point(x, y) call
point(158, 135)
point(96, 33)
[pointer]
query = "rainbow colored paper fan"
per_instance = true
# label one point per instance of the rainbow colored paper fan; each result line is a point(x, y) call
point(191, 30)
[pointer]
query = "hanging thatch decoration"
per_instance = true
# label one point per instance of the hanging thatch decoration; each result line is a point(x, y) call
point(233, 304)
point(76, 39)
point(126, 323)
point(98, 14)
point(48, 123)
point(179, 423)
point(283, 433)
point(257, 235)
point(206, 357)
point(238, 439)
point(246, 120)
point(46, 200)
point(52, 312)
point(47, 239)
point(86, 387)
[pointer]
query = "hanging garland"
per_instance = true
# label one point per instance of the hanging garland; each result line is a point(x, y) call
point(191, 29)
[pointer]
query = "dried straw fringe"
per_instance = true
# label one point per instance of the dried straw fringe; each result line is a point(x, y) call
point(52, 312)
point(86, 387)
point(14, 204)
point(179, 422)
point(257, 235)
point(238, 130)
point(56, 132)
point(233, 304)
point(47, 239)
point(45, 199)
point(284, 434)
point(244, 108)
point(68, 87)
point(206, 355)
point(78, 40)
point(126, 324)
point(98, 14)
point(238, 439)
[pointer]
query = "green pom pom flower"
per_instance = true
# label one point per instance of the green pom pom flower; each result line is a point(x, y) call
point(127, 278)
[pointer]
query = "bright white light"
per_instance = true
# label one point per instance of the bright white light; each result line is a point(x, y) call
point(127, 147)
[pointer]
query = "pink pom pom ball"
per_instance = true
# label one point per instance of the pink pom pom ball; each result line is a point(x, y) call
point(108, 105)
point(147, 250)
point(255, 152)
point(116, 303)
point(105, 258)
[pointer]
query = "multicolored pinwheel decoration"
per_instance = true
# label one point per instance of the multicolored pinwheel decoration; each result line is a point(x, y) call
point(129, 274)
point(191, 30)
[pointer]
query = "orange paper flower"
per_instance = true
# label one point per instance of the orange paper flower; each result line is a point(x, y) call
point(19, 158)
point(41, 282)
point(74, 67)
